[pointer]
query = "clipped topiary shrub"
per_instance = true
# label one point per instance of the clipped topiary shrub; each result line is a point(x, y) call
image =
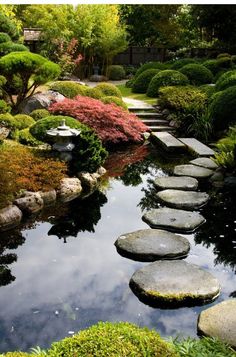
point(213, 66)
point(109, 89)
point(233, 59)
point(89, 152)
point(209, 90)
point(7, 47)
point(115, 100)
point(38, 114)
point(150, 65)
point(223, 55)
point(112, 125)
point(4, 37)
point(4, 107)
point(68, 88)
point(115, 72)
point(141, 82)
point(182, 62)
point(225, 62)
point(197, 74)
point(164, 79)
point(23, 121)
point(113, 339)
point(222, 109)
point(94, 92)
point(226, 80)
point(26, 138)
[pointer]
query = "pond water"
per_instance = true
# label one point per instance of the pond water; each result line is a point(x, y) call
point(65, 273)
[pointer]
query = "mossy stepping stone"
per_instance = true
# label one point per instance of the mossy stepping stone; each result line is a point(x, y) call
point(152, 244)
point(174, 220)
point(174, 283)
point(188, 200)
point(178, 183)
point(192, 171)
point(205, 162)
point(219, 321)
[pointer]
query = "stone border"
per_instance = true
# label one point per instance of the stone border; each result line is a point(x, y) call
point(32, 202)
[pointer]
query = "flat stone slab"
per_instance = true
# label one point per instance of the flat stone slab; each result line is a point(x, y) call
point(205, 162)
point(148, 245)
point(174, 220)
point(219, 321)
point(192, 171)
point(178, 183)
point(174, 283)
point(181, 199)
point(197, 147)
point(168, 141)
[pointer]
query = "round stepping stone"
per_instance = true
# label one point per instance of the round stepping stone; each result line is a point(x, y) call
point(205, 162)
point(148, 245)
point(186, 200)
point(192, 171)
point(174, 283)
point(219, 321)
point(177, 183)
point(174, 220)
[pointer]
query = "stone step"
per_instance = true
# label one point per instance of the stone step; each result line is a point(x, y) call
point(154, 122)
point(197, 147)
point(162, 128)
point(149, 115)
point(168, 141)
point(143, 109)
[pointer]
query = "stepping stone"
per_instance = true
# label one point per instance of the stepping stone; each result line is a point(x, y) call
point(148, 245)
point(173, 220)
point(178, 183)
point(192, 171)
point(186, 200)
point(174, 283)
point(205, 162)
point(197, 147)
point(219, 321)
point(168, 141)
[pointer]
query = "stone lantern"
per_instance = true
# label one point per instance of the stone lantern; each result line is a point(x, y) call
point(62, 136)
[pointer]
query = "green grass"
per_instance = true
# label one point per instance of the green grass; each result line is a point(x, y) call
point(126, 92)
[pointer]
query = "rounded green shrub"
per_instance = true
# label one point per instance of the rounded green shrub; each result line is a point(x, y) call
point(23, 121)
point(26, 138)
point(115, 72)
point(7, 47)
point(233, 59)
point(8, 26)
point(89, 152)
point(141, 83)
point(38, 114)
point(95, 93)
point(4, 107)
point(213, 66)
point(109, 89)
point(197, 74)
point(4, 37)
point(209, 90)
point(182, 62)
point(225, 62)
point(164, 79)
point(113, 339)
point(7, 120)
point(68, 88)
point(116, 100)
point(150, 65)
point(222, 109)
point(226, 80)
point(223, 55)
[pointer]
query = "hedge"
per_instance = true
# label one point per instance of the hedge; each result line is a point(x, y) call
point(197, 74)
point(164, 79)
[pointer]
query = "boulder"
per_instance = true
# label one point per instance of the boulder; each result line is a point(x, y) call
point(152, 244)
point(177, 183)
point(192, 171)
point(174, 220)
point(40, 101)
point(30, 203)
point(219, 321)
point(174, 283)
point(10, 217)
point(4, 132)
point(70, 189)
point(49, 197)
point(88, 181)
point(184, 200)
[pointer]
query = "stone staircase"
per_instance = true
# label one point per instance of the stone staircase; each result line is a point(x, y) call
point(152, 118)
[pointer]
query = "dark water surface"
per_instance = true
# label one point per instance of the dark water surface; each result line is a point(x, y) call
point(65, 273)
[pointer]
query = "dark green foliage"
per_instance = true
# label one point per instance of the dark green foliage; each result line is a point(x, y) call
point(4, 37)
point(130, 82)
point(141, 82)
point(26, 138)
point(164, 79)
point(38, 114)
point(205, 347)
point(226, 80)
point(7, 47)
point(150, 65)
point(233, 59)
point(225, 62)
point(68, 88)
point(109, 89)
point(23, 121)
point(18, 122)
point(209, 90)
point(115, 72)
point(2, 81)
point(7, 26)
point(226, 155)
point(130, 70)
point(4, 107)
point(223, 55)
point(88, 152)
point(116, 100)
point(197, 74)
point(93, 93)
point(182, 62)
point(213, 66)
point(222, 109)
point(117, 340)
